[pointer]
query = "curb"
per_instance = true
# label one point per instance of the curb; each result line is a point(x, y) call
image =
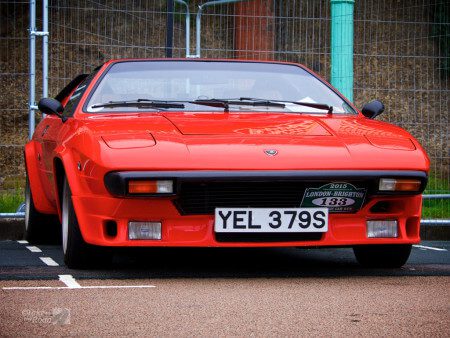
point(435, 232)
point(14, 229)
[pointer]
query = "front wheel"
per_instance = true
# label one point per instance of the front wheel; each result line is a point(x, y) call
point(382, 256)
point(77, 253)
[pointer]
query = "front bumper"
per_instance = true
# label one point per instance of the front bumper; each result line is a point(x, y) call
point(94, 213)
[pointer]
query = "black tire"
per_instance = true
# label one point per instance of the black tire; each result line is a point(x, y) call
point(39, 228)
point(77, 253)
point(382, 256)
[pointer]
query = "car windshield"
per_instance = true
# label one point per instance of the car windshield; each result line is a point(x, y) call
point(134, 86)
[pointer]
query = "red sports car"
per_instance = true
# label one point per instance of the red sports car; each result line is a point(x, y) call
point(220, 153)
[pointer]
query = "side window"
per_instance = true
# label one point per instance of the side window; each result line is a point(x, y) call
point(74, 99)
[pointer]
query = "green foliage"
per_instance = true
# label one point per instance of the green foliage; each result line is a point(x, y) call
point(440, 31)
point(439, 208)
point(11, 193)
point(11, 200)
point(436, 209)
point(437, 185)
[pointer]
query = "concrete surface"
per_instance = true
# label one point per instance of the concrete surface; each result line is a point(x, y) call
point(284, 292)
point(312, 307)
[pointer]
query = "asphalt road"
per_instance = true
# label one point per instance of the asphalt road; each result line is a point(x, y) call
point(224, 292)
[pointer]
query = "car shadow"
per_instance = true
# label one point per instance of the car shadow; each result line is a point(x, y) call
point(139, 263)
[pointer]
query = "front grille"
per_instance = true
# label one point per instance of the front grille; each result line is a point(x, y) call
point(197, 198)
point(202, 197)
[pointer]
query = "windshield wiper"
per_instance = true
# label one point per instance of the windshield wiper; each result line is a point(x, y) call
point(225, 103)
point(255, 102)
point(140, 103)
point(323, 106)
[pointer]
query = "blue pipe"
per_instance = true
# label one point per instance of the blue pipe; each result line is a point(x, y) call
point(342, 46)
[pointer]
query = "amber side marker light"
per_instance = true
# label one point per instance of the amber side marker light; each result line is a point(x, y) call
point(150, 187)
point(395, 184)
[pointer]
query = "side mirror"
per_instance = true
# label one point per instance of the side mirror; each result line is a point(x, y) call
point(50, 106)
point(372, 109)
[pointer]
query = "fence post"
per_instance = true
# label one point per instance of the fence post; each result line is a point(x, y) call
point(45, 48)
point(169, 29)
point(199, 18)
point(188, 26)
point(342, 46)
point(32, 69)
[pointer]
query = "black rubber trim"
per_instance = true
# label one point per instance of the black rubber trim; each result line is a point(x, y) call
point(70, 86)
point(116, 182)
point(267, 237)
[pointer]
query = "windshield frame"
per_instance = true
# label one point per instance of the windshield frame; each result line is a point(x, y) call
point(151, 110)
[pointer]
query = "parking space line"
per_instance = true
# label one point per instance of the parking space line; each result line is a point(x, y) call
point(49, 261)
point(22, 242)
point(70, 282)
point(424, 247)
point(33, 248)
point(34, 287)
point(117, 286)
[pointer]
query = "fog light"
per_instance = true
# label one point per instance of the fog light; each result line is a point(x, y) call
point(382, 229)
point(144, 230)
point(394, 184)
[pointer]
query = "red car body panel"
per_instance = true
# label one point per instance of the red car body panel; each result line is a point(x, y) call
point(88, 146)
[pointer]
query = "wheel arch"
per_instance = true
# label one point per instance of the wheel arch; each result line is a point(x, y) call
point(64, 167)
point(40, 200)
point(59, 174)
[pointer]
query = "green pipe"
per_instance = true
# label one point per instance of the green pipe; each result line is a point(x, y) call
point(342, 46)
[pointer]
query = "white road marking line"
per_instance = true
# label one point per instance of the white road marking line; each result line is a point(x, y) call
point(22, 242)
point(82, 287)
point(117, 286)
point(429, 248)
point(33, 248)
point(70, 282)
point(49, 261)
point(34, 288)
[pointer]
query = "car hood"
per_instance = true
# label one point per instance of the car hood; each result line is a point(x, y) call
point(255, 141)
point(246, 124)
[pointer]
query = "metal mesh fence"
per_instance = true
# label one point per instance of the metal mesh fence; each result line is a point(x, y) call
point(401, 56)
point(13, 99)
point(86, 33)
point(398, 59)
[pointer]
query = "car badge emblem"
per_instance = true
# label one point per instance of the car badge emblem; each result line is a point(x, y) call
point(271, 152)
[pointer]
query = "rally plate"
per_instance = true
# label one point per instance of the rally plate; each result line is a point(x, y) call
point(336, 196)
